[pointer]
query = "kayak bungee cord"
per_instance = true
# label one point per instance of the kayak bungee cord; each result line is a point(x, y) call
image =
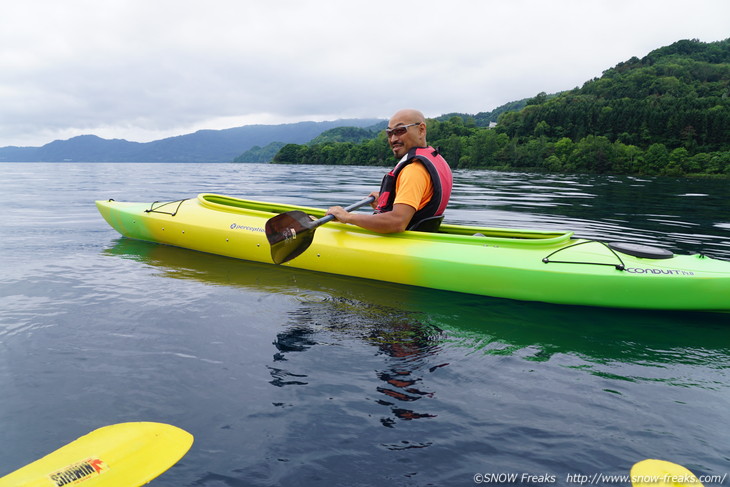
point(619, 267)
point(155, 209)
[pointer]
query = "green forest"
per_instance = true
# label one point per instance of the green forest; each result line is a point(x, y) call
point(665, 114)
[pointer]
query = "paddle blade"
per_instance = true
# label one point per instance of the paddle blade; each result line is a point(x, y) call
point(660, 473)
point(126, 454)
point(289, 235)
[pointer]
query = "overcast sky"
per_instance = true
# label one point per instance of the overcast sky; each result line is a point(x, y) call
point(147, 69)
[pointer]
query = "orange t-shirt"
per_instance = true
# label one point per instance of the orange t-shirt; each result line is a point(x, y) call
point(413, 187)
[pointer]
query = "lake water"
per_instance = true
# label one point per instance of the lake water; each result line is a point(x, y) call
point(288, 377)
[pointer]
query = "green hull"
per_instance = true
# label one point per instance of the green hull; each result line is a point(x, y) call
point(550, 267)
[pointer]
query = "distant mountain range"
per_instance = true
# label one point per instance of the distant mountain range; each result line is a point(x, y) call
point(202, 146)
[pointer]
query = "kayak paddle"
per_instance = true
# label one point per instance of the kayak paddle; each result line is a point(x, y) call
point(660, 473)
point(119, 455)
point(292, 232)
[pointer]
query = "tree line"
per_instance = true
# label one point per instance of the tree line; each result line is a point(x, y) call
point(665, 114)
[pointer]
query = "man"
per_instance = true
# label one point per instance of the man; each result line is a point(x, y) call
point(417, 188)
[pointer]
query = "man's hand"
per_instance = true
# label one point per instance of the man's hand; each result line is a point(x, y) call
point(375, 195)
point(339, 213)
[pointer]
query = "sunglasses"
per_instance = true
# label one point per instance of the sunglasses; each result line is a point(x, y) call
point(398, 131)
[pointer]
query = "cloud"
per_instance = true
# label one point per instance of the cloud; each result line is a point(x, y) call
point(142, 70)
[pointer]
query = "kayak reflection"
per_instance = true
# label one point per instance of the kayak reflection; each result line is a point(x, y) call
point(406, 321)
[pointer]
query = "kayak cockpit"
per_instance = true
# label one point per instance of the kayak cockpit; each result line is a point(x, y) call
point(446, 231)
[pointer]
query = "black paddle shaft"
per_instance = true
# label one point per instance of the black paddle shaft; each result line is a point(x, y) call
point(291, 233)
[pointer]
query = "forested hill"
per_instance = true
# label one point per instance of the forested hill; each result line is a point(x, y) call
point(678, 96)
point(667, 113)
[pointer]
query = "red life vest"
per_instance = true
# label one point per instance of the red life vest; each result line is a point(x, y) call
point(441, 179)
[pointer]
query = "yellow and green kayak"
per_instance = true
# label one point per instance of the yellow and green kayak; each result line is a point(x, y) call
point(552, 267)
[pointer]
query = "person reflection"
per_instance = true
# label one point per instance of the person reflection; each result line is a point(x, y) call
point(408, 345)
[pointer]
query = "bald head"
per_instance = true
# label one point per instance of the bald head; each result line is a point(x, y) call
point(413, 116)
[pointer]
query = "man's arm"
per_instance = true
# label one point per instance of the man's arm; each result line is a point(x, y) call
point(388, 222)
